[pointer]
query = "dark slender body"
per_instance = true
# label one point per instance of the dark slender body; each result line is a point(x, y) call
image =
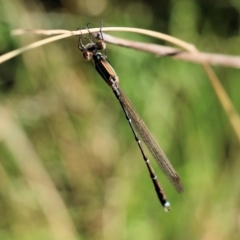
point(108, 74)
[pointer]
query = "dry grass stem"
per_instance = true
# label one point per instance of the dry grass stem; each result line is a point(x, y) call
point(192, 55)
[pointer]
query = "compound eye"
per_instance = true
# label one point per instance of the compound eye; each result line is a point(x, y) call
point(87, 55)
point(101, 45)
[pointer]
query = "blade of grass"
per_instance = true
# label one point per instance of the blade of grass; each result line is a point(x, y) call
point(16, 140)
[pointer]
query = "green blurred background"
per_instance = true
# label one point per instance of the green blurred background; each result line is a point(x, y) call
point(69, 165)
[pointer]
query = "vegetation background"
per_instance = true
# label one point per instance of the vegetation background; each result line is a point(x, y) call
point(69, 165)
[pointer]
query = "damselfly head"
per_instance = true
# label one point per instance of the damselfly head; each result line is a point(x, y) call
point(87, 54)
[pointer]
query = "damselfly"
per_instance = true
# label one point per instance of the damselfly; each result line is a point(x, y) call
point(92, 50)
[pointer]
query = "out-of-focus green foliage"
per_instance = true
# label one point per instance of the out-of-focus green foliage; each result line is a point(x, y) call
point(69, 165)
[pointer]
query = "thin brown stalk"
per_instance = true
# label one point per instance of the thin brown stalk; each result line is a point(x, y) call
point(160, 50)
point(224, 99)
